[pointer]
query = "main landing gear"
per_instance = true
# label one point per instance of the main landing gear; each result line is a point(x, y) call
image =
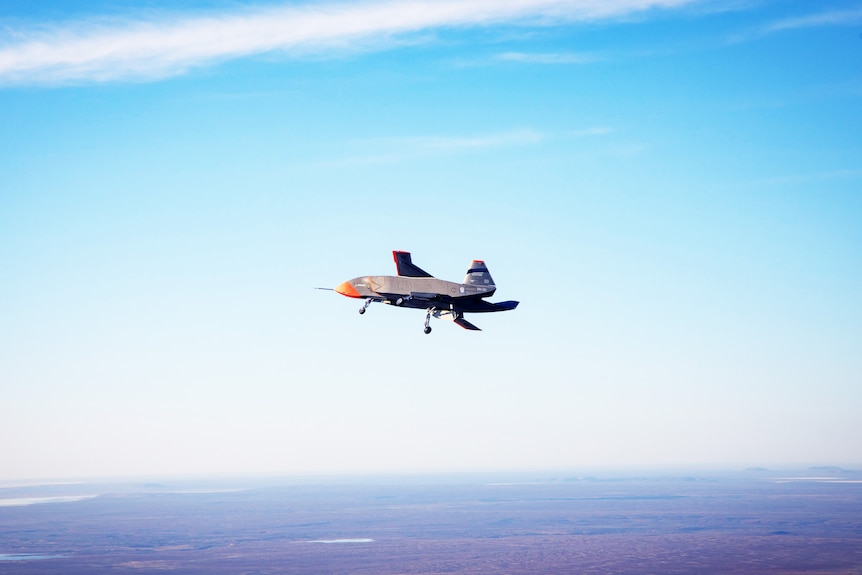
point(428, 313)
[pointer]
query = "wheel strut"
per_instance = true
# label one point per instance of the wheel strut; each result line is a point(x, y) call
point(428, 313)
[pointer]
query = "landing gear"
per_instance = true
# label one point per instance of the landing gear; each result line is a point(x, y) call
point(428, 313)
point(365, 306)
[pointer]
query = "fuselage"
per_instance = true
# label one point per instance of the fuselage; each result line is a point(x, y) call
point(419, 292)
point(411, 290)
point(413, 287)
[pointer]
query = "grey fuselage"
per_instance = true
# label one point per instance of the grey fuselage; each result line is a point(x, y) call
point(413, 287)
point(422, 292)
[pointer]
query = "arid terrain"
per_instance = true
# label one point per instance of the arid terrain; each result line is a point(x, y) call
point(749, 522)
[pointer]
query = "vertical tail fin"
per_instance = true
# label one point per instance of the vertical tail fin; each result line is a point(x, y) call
point(478, 275)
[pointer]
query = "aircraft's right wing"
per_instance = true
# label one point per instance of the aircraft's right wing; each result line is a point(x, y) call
point(405, 266)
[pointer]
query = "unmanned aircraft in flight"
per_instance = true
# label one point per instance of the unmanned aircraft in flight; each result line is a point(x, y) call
point(413, 287)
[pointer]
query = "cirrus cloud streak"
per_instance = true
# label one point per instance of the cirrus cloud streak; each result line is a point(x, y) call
point(848, 17)
point(831, 18)
point(147, 48)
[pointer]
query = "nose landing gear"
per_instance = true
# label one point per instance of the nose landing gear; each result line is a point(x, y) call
point(365, 306)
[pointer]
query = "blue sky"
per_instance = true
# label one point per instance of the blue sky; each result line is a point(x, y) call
point(671, 189)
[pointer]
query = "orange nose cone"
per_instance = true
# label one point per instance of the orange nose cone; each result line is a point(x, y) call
point(347, 289)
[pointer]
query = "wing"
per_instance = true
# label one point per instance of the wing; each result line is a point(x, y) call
point(406, 268)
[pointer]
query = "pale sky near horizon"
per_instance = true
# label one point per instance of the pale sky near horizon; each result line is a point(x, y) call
point(672, 190)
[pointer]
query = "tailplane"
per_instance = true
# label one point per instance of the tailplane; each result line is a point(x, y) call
point(455, 316)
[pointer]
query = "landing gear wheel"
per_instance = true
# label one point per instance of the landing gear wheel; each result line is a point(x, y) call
point(427, 329)
point(361, 310)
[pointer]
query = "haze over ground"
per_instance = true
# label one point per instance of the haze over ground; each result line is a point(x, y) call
point(671, 189)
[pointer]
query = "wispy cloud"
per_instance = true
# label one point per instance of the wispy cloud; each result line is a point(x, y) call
point(393, 150)
point(399, 149)
point(549, 58)
point(152, 47)
point(801, 179)
point(849, 17)
point(833, 18)
point(593, 131)
point(458, 143)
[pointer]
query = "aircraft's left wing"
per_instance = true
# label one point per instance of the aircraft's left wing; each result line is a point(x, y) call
point(405, 266)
